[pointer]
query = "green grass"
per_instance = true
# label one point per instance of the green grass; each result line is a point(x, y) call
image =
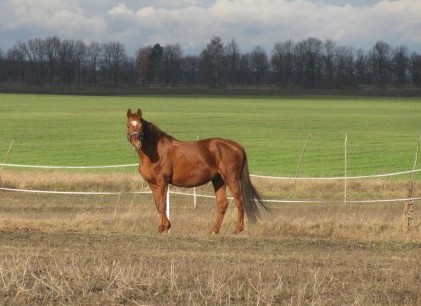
point(78, 130)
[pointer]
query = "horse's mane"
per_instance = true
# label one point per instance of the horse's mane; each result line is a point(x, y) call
point(151, 132)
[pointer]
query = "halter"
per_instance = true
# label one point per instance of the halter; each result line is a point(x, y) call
point(140, 137)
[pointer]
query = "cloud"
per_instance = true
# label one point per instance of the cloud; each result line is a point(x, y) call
point(192, 23)
point(402, 19)
point(40, 18)
point(120, 9)
point(265, 22)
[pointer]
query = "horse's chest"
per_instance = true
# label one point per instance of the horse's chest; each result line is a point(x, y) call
point(147, 174)
point(151, 171)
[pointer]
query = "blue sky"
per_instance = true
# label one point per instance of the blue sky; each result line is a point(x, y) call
point(192, 23)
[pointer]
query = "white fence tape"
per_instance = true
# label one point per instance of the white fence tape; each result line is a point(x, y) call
point(206, 196)
point(74, 192)
point(303, 201)
point(66, 167)
point(336, 177)
point(252, 175)
point(199, 195)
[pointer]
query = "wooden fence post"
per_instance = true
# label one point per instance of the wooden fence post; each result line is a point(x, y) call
point(409, 207)
point(346, 168)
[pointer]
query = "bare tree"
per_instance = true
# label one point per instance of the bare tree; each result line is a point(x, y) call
point(416, 69)
point(52, 49)
point(400, 65)
point(282, 61)
point(171, 63)
point(380, 60)
point(328, 64)
point(344, 73)
point(128, 73)
point(212, 62)
point(246, 75)
point(93, 55)
point(113, 58)
point(67, 61)
point(232, 53)
point(79, 57)
point(2, 66)
point(309, 54)
point(259, 64)
point(361, 67)
point(142, 63)
point(190, 69)
point(16, 63)
point(36, 55)
point(307, 62)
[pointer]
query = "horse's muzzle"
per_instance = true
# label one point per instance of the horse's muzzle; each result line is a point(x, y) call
point(139, 138)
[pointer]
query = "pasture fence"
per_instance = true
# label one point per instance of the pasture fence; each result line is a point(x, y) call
point(195, 195)
point(409, 200)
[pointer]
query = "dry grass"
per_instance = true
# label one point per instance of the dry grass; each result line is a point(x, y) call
point(70, 181)
point(91, 250)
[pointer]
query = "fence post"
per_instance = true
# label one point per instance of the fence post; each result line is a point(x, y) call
point(409, 207)
point(194, 188)
point(345, 170)
point(5, 159)
point(300, 158)
point(168, 202)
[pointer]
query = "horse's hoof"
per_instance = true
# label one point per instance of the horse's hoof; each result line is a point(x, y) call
point(237, 231)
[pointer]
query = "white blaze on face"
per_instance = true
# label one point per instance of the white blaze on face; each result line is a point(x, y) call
point(134, 124)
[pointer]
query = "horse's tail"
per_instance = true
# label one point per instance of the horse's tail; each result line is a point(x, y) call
point(249, 194)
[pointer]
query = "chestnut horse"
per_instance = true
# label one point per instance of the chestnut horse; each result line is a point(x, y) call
point(165, 160)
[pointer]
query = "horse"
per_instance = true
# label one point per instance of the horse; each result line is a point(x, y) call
point(165, 160)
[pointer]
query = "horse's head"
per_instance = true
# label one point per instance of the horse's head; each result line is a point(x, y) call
point(134, 128)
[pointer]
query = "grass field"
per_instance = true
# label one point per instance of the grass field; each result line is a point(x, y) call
point(75, 130)
point(58, 249)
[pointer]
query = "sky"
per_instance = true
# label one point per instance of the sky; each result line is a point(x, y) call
point(192, 23)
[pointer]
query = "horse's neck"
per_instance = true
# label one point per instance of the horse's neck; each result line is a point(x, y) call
point(150, 146)
point(153, 134)
point(148, 152)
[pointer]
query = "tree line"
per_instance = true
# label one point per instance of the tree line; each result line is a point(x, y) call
point(310, 63)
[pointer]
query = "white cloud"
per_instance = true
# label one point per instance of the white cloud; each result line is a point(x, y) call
point(192, 23)
point(120, 9)
point(51, 17)
point(148, 11)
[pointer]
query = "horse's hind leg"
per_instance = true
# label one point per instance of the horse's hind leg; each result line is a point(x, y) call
point(236, 193)
point(221, 202)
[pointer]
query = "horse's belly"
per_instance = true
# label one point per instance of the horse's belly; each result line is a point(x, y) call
point(192, 178)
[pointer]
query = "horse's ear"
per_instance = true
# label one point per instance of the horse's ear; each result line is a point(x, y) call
point(129, 112)
point(139, 113)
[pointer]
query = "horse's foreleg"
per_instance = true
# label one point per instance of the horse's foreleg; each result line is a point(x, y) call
point(221, 203)
point(159, 193)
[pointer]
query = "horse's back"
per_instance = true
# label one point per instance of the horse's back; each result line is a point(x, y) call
point(197, 162)
point(211, 150)
point(225, 147)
